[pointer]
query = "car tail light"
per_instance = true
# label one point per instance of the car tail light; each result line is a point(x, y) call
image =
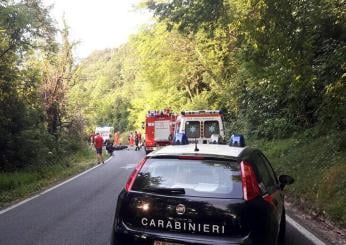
point(249, 181)
point(133, 175)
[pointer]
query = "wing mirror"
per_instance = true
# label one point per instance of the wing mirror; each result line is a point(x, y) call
point(285, 180)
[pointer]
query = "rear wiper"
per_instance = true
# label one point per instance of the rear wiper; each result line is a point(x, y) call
point(161, 190)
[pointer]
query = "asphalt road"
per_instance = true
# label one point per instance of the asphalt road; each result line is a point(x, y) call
point(80, 211)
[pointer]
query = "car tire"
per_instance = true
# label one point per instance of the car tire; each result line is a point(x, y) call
point(282, 232)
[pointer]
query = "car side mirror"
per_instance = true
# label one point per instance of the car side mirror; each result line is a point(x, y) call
point(285, 180)
point(143, 125)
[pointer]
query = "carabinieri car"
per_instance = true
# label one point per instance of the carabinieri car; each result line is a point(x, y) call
point(205, 194)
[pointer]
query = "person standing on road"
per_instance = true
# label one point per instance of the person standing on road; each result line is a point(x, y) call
point(116, 138)
point(140, 139)
point(136, 141)
point(109, 145)
point(98, 143)
point(132, 139)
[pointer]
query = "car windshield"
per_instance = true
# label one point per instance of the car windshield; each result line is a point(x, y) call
point(202, 178)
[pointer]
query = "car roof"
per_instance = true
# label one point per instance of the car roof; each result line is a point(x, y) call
point(215, 150)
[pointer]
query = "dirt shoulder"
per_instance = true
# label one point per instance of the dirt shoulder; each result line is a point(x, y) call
point(319, 226)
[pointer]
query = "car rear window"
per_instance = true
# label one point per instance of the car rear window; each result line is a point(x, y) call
point(211, 127)
point(202, 178)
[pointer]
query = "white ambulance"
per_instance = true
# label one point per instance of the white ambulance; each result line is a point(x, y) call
point(203, 126)
point(105, 132)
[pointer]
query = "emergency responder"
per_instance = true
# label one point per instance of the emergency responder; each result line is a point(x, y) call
point(116, 138)
point(136, 141)
point(132, 139)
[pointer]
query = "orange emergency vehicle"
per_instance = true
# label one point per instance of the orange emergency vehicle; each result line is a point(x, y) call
point(203, 126)
point(159, 129)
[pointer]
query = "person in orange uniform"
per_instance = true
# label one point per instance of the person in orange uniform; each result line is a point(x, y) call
point(116, 139)
point(136, 141)
point(98, 143)
point(132, 139)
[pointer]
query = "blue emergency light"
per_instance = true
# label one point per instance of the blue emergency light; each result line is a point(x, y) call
point(237, 140)
point(180, 139)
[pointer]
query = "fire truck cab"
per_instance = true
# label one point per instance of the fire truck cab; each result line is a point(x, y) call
point(159, 129)
point(203, 126)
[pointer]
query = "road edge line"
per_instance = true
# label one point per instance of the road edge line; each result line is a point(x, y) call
point(304, 231)
point(50, 189)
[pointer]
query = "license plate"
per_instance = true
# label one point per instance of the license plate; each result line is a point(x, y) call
point(166, 243)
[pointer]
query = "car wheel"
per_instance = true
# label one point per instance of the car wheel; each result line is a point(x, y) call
point(282, 232)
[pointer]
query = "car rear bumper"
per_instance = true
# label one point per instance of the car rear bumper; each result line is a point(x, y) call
point(125, 235)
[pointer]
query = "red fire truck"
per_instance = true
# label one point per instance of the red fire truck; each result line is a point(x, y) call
point(159, 128)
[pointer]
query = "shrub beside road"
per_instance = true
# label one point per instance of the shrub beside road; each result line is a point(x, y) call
point(23, 182)
point(318, 164)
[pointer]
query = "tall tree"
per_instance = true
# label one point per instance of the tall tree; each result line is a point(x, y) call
point(56, 81)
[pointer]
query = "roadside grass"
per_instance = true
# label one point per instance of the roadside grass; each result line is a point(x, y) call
point(318, 165)
point(22, 183)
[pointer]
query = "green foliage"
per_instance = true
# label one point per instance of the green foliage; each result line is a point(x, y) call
point(155, 70)
point(189, 15)
point(34, 71)
point(57, 73)
point(21, 25)
point(276, 66)
point(288, 45)
point(318, 165)
point(99, 95)
point(22, 182)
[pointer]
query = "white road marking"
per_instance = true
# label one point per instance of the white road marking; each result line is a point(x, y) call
point(50, 189)
point(304, 231)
